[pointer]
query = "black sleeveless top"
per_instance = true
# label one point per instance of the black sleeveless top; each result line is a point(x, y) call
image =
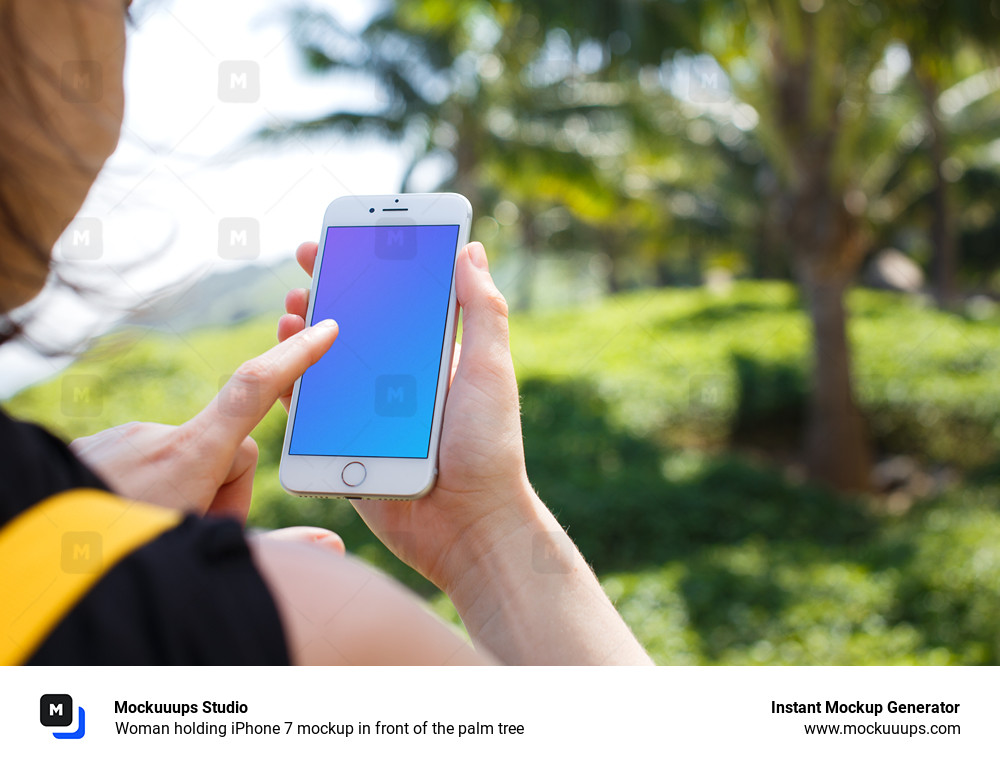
point(190, 596)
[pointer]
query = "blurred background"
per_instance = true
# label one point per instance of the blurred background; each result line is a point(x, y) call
point(752, 252)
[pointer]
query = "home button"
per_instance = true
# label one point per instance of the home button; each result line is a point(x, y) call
point(354, 473)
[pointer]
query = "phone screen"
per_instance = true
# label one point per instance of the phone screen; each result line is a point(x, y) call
point(372, 394)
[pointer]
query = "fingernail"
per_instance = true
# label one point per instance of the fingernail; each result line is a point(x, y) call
point(477, 254)
point(327, 324)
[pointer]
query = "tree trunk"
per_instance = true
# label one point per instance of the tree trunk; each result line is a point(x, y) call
point(836, 441)
point(827, 246)
point(944, 250)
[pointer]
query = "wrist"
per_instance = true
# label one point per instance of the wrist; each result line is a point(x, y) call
point(486, 553)
point(525, 559)
point(527, 595)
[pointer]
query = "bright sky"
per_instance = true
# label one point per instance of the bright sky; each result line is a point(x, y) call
point(183, 162)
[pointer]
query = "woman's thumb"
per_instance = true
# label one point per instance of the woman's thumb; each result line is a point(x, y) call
point(485, 335)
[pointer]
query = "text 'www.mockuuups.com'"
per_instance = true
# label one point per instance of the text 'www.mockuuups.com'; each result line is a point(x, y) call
point(905, 721)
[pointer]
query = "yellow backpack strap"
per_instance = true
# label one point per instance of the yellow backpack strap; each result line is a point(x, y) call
point(52, 554)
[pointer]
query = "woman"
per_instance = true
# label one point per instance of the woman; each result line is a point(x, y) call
point(191, 587)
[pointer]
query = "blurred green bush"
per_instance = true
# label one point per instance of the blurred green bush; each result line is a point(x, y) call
point(693, 368)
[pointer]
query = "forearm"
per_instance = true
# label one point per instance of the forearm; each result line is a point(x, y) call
point(529, 597)
point(335, 610)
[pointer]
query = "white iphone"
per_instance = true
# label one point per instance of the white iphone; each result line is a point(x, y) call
point(365, 420)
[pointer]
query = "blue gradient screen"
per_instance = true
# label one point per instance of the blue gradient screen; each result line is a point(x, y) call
point(372, 394)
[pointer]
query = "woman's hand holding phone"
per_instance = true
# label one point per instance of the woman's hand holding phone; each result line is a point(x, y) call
point(481, 470)
point(477, 533)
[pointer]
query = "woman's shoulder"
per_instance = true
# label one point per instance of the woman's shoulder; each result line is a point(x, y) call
point(190, 596)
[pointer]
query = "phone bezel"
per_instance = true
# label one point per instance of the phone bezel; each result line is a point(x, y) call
point(387, 477)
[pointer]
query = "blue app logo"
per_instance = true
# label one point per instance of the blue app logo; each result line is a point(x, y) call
point(56, 710)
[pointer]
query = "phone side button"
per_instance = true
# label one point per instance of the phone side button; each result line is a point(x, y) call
point(354, 473)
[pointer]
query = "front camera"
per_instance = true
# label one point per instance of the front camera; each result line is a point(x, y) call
point(371, 210)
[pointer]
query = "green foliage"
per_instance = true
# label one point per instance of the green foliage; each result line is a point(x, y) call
point(918, 591)
point(690, 368)
point(627, 501)
point(629, 408)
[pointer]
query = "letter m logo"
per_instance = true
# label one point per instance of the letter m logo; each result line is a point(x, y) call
point(396, 243)
point(395, 396)
point(56, 710)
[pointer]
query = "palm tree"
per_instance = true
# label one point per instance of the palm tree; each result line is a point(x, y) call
point(833, 145)
point(463, 83)
point(509, 108)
